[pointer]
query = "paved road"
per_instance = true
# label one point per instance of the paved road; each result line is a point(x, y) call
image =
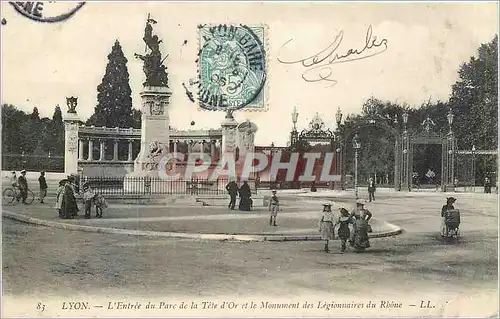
point(42, 263)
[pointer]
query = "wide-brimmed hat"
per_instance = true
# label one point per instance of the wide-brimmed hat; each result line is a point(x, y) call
point(360, 202)
point(451, 200)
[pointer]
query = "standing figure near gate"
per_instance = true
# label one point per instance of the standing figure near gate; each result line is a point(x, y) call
point(245, 197)
point(232, 189)
point(487, 185)
point(371, 189)
point(274, 207)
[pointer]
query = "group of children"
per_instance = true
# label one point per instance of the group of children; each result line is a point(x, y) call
point(90, 198)
point(358, 238)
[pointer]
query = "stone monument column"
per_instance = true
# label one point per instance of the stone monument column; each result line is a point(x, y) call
point(155, 132)
point(228, 134)
point(155, 98)
point(246, 138)
point(71, 124)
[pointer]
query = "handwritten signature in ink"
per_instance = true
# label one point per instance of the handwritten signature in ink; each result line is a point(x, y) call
point(320, 65)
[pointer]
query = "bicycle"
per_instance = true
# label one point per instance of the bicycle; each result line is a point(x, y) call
point(11, 194)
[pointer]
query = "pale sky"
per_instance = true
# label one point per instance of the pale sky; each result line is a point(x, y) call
point(43, 63)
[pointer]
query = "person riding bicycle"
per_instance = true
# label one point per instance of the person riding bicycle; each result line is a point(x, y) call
point(23, 186)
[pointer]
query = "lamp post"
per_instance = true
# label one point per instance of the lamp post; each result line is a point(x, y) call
point(473, 168)
point(406, 174)
point(271, 178)
point(451, 149)
point(339, 157)
point(356, 145)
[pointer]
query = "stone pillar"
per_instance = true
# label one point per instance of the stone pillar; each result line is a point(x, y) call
point(202, 147)
point(228, 134)
point(130, 150)
point(175, 152)
point(155, 125)
point(80, 149)
point(71, 120)
point(91, 148)
point(115, 150)
point(102, 150)
point(212, 150)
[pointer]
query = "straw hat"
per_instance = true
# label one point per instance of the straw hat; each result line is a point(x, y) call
point(360, 202)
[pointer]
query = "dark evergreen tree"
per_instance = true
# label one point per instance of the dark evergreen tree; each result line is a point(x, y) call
point(114, 101)
point(54, 136)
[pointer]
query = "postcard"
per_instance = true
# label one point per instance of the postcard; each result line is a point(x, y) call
point(249, 159)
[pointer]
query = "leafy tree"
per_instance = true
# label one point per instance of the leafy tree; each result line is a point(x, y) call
point(474, 99)
point(114, 101)
point(12, 122)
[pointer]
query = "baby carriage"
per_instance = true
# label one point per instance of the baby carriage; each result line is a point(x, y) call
point(452, 223)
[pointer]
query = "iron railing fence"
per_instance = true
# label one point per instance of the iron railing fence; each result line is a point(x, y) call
point(143, 186)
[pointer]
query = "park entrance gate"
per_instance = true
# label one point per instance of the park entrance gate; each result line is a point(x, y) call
point(316, 133)
point(427, 134)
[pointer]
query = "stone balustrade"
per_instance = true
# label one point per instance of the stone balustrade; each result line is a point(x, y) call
point(91, 138)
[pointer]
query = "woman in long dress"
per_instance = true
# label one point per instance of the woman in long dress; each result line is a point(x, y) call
point(326, 225)
point(69, 205)
point(245, 197)
point(360, 239)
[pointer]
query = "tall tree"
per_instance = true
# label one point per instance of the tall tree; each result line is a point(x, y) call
point(474, 99)
point(54, 136)
point(114, 101)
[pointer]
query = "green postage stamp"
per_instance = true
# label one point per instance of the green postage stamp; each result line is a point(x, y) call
point(232, 67)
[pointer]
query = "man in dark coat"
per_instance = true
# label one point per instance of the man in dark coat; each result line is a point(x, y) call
point(232, 189)
point(245, 197)
point(371, 189)
point(487, 185)
point(23, 186)
point(43, 186)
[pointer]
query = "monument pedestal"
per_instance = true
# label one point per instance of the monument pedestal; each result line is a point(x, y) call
point(71, 122)
point(155, 140)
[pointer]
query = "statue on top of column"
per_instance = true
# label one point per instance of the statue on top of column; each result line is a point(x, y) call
point(154, 69)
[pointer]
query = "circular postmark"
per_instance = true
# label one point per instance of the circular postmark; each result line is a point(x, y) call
point(232, 68)
point(47, 11)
